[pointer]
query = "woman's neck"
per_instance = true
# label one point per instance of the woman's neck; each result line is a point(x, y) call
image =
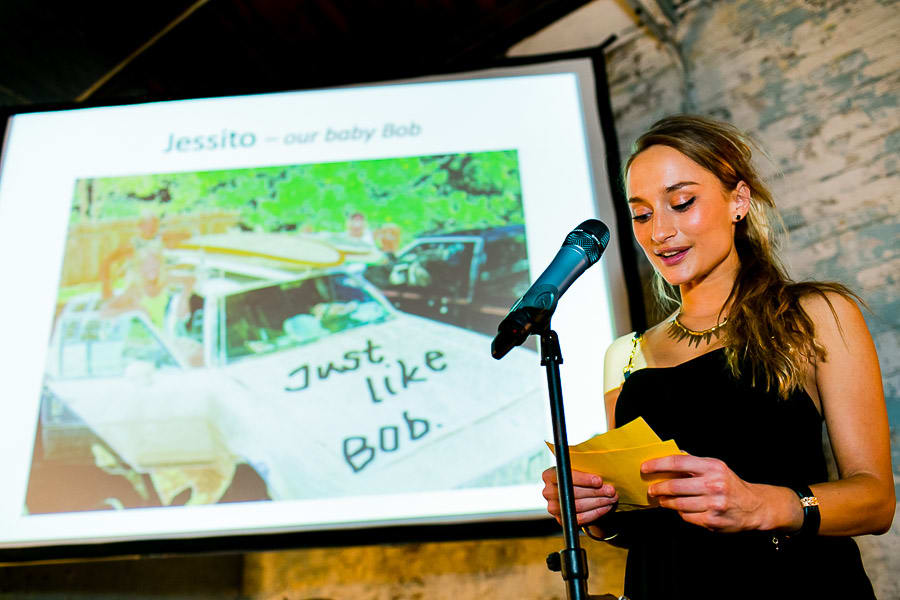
point(705, 299)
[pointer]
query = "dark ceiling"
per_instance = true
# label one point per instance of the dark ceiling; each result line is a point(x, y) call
point(103, 51)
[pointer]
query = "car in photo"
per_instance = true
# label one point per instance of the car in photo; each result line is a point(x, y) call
point(469, 278)
point(315, 380)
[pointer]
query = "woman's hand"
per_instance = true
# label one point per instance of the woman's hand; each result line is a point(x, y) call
point(593, 498)
point(707, 493)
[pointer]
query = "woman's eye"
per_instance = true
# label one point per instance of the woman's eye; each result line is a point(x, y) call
point(642, 218)
point(684, 205)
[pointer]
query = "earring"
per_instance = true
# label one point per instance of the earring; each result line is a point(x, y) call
point(737, 218)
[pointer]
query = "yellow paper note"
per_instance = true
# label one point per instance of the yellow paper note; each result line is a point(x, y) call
point(622, 468)
point(631, 435)
point(617, 456)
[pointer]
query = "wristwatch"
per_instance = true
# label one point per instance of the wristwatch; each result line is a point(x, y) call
point(811, 516)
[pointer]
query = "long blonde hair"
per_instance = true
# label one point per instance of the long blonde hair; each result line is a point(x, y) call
point(768, 331)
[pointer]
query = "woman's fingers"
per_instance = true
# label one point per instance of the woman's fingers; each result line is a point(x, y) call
point(593, 498)
point(551, 492)
point(589, 504)
point(585, 485)
point(579, 478)
point(587, 510)
point(685, 486)
point(583, 518)
point(683, 464)
point(549, 475)
point(584, 504)
point(685, 504)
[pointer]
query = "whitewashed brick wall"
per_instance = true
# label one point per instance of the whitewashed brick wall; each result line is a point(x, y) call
point(817, 83)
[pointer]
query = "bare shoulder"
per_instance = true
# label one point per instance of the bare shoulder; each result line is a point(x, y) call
point(621, 344)
point(615, 360)
point(829, 303)
point(613, 373)
point(836, 317)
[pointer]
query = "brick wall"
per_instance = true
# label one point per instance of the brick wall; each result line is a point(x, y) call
point(817, 83)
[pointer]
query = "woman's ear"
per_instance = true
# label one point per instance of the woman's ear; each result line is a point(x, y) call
point(741, 200)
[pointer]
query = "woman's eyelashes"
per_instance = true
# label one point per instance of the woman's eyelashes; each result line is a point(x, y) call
point(683, 206)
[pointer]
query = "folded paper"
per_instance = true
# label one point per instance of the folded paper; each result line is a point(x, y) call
point(617, 456)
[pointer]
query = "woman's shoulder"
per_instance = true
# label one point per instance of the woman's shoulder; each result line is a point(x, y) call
point(831, 309)
point(829, 305)
point(624, 342)
point(823, 297)
point(617, 358)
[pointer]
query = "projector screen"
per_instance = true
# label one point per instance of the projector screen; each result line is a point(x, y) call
point(273, 313)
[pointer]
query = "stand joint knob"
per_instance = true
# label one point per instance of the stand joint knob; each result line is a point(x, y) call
point(554, 562)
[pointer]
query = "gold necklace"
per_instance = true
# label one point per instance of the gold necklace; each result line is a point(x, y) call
point(678, 331)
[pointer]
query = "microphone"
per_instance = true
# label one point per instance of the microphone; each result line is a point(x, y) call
point(532, 312)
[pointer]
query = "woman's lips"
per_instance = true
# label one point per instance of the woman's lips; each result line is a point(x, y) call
point(674, 259)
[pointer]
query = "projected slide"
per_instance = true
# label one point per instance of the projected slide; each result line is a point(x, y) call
point(217, 338)
point(273, 313)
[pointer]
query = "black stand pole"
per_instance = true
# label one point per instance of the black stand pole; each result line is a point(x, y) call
point(571, 561)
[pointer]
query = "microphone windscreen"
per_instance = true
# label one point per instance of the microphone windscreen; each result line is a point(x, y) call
point(592, 236)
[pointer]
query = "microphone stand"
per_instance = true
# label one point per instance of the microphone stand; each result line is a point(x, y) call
point(571, 561)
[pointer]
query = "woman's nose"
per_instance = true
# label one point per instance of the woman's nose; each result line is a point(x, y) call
point(663, 228)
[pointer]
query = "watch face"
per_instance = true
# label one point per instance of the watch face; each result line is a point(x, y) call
point(809, 501)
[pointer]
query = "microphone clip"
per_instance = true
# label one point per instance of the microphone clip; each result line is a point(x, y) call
point(530, 315)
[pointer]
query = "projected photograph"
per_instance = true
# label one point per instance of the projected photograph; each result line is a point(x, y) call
point(288, 333)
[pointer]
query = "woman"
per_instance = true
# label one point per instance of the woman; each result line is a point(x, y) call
point(148, 289)
point(742, 375)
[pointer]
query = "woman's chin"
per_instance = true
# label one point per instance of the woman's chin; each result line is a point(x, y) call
point(673, 277)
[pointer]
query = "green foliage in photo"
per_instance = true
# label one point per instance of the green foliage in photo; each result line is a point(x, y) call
point(419, 194)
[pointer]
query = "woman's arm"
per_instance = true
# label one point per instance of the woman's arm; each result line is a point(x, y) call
point(187, 282)
point(850, 391)
point(106, 267)
point(128, 299)
point(594, 498)
point(848, 385)
point(614, 362)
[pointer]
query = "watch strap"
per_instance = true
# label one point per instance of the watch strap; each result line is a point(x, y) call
point(811, 516)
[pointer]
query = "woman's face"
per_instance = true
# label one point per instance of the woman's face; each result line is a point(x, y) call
point(682, 216)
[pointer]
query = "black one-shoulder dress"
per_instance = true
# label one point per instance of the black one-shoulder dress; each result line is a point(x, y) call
point(763, 439)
